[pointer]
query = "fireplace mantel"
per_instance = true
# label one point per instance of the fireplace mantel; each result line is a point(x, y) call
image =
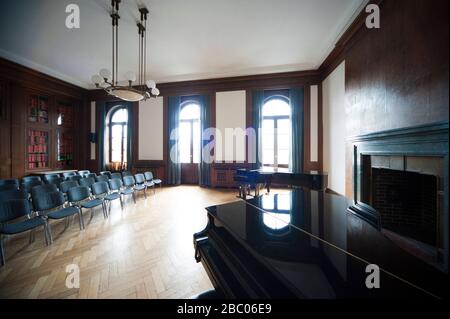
point(425, 141)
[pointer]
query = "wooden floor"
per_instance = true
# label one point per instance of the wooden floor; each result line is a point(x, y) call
point(144, 251)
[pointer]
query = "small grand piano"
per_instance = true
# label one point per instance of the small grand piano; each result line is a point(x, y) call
point(266, 176)
point(304, 243)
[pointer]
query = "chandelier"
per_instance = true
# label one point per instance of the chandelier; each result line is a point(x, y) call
point(144, 89)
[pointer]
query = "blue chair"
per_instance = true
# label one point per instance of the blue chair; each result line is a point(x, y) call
point(116, 176)
point(8, 182)
point(140, 184)
point(49, 177)
point(151, 181)
point(7, 187)
point(86, 182)
point(56, 181)
point(126, 173)
point(128, 183)
point(83, 173)
point(69, 174)
point(81, 196)
point(101, 191)
point(27, 179)
point(15, 218)
point(51, 205)
point(106, 173)
point(91, 175)
point(102, 178)
point(27, 186)
point(13, 194)
point(115, 187)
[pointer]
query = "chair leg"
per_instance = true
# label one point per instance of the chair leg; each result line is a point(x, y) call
point(121, 202)
point(153, 188)
point(80, 218)
point(105, 215)
point(2, 252)
point(134, 197)
point(145, 193)
point(49, 232)
point(32, 236)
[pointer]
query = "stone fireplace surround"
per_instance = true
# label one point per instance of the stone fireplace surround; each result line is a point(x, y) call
point(419, 149)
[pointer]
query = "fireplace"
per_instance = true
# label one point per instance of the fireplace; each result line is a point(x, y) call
point(401, 185)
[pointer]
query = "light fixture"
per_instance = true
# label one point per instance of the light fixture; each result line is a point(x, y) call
point(144, 88)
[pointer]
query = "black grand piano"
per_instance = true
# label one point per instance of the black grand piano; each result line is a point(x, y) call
point(304, 243)
point(255, 179)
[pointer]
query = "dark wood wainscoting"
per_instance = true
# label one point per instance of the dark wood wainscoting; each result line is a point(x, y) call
point(158, 168)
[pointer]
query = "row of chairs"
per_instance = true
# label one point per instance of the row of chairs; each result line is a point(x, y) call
point(44, 202)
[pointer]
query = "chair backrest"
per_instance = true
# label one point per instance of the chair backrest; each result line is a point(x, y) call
point(100, 188)
point(91, 175)
point(14, 208)
point(148, 176)
point(87, 181)
point(68, 174)
point(116, 175)
point(8, 187)
point(128, 181)
point(13, 194)
point(45, 188)
point(9, 182)
point(83, 173)
point(102, 178)
point(27, 179)
point(106, 173)
point(75, 178)
point(79, 193)
point(126, 173)
point(65, 186)
point(115, 184)
point(49, 177)
point(56, 181)
point(46, 201)
point(27, 186)
point(139, 178)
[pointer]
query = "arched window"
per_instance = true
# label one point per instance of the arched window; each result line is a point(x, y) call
point(118, 131)
point(276, 132)
point(189, 141)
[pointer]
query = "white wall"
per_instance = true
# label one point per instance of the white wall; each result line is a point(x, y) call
point(230, 113)
point(333, 88)
point(151, 129)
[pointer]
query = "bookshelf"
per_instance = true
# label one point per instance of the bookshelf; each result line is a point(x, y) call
point(64, 113)
point(37, 149)
point(64, 153)
point(38, 109)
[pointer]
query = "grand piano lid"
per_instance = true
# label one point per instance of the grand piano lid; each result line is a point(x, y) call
point(314, 246)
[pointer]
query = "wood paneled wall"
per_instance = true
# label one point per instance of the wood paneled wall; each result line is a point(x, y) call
point(395, 76)
point(15, 81)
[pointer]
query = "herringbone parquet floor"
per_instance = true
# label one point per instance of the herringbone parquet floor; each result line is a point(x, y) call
point(142, 251)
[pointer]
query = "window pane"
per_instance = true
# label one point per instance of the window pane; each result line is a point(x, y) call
point(275, 107)
point(268, 142)
point(190, 112)
point(185, 142)
point(196, 142)
point(283, 157)
point(119, 116)
point(283, 126)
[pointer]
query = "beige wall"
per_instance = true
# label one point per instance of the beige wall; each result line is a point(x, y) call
point(230, 113)
point(334, 128)
point(151, 129)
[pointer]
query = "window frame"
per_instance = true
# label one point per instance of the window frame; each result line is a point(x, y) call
point(191, 124)
point(275, 119)
point(110, 137)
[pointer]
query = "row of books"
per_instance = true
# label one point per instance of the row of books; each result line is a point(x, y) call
point(33, 165)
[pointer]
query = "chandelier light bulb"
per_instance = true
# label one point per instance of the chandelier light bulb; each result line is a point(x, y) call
point(155, 91)
point(130, 76)
point(105, 73)
point(97, 79)
point(151, 84)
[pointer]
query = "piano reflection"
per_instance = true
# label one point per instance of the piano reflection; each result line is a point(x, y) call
point(303, 243)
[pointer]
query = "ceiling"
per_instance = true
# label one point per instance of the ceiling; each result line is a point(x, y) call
point(187, 40)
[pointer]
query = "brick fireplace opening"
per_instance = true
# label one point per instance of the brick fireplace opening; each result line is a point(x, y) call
point(407, 203)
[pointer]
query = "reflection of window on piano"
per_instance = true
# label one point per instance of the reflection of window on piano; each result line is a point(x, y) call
point(276, 132)
point(277, 208)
